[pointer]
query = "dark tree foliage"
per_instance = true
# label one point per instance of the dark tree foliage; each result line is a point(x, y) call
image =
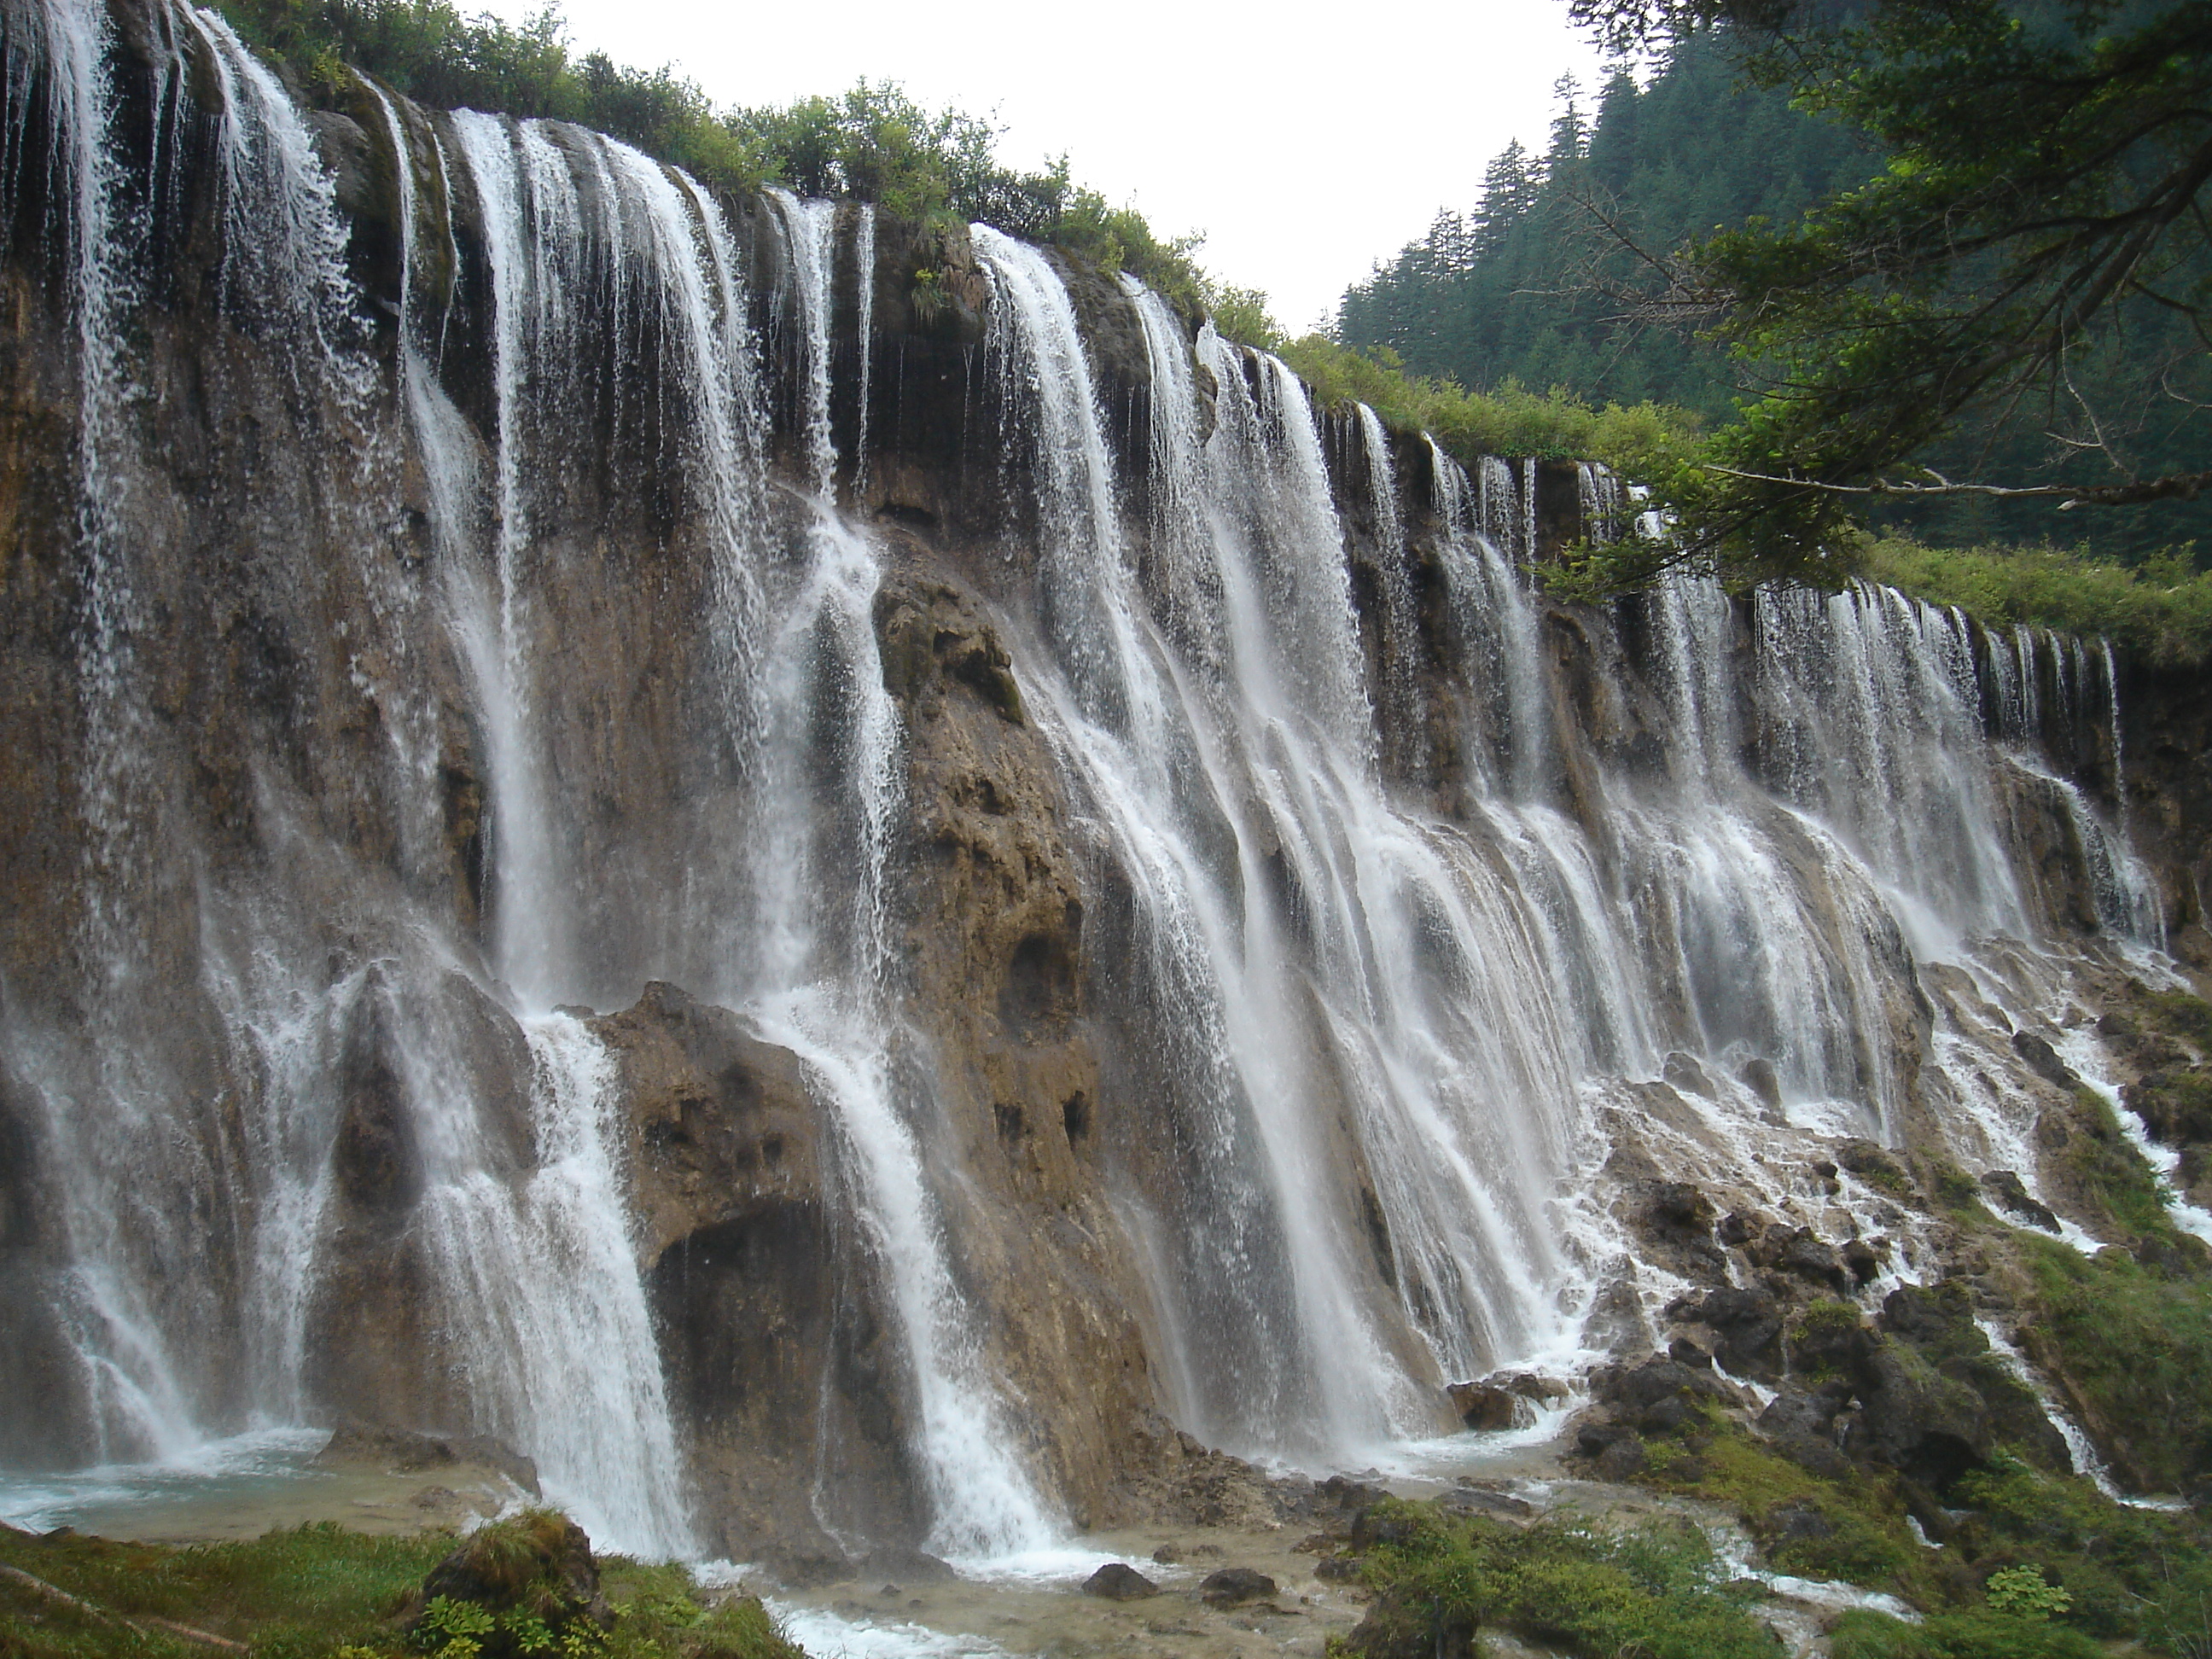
point(1542, 283)
point(2018, 300)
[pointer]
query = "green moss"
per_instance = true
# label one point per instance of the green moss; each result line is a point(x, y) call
point(1828, 1316)
point(1956, 1191)
point(1868, 1541)
point(2179, 1014)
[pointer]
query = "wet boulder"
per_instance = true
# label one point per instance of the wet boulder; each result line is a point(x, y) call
point(1233, 1587)
point(2007, 1193)
point(1830, 1339)
point(1862, 1259)
point(1800, 1254)
point(1469, 1498)
point(1758, 1075)
point(1489, 1407)
point(1801, 1424)
point(1622, 1460)
point(1746, 1327)
point(1937, 1322)
point(1871, 1164)
point(2043, 1059)
point(1930, 1427)
point(1661, 1395)
point(1117, 1581)
point(402, 1451)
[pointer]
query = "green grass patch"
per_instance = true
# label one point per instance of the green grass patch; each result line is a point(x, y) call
point(315, 1592)
point(1658, 1591)
point(2135, 1344)
point(1982, 1634)
point(2112, 1173)
point(1854, 1529)
point(306, 1592)
point(2178, 1014)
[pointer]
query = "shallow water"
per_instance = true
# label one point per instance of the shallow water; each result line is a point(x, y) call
point(246, 1485)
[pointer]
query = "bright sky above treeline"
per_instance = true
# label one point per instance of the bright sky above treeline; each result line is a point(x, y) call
point(1306, 142)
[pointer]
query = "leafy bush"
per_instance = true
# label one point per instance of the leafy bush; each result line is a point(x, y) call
point(2023, 1592)
point(2132, 1573)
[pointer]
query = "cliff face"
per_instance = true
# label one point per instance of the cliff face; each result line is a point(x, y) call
point(816, 894)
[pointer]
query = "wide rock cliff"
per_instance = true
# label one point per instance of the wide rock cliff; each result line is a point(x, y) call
point(832, 874)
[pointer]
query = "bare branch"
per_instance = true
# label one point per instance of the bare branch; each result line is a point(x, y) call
point(2178, 486)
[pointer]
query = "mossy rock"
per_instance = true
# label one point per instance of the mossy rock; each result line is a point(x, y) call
point(534, 1570)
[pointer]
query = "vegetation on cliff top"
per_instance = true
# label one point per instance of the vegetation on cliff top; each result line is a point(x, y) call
point(874, 143)
point(2162, 608)
point(871, 144)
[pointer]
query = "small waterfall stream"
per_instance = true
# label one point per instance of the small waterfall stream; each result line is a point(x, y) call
point(1411, 898)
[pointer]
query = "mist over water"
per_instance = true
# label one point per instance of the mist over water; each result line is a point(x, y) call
point(1400, 913)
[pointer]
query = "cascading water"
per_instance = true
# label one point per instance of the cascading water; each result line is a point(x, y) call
point(1409, 896)
point(828, 991)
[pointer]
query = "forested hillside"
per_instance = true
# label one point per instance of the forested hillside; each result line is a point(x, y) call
point(1568, 272)
point(1524, 285)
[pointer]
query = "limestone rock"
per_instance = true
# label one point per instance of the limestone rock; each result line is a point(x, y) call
point(363, 1446)
point(1486, 1406)
point(2043, 1059)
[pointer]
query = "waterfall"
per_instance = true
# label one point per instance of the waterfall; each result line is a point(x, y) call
point(827, 988)
point(864, 330)
point(1285, 910)
point(1492, 613)
point(524, 649)
point(1400, 622)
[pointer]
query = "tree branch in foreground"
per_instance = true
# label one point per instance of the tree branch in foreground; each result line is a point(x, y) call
point(2178, 486)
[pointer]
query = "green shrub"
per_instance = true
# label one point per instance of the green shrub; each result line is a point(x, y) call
point(2182, 1015)
point(870, 143)
point(2022, 1591)
point(2140, 1574)
point(1635, 440)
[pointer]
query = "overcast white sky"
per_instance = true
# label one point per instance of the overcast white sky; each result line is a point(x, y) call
point(1306, 142)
